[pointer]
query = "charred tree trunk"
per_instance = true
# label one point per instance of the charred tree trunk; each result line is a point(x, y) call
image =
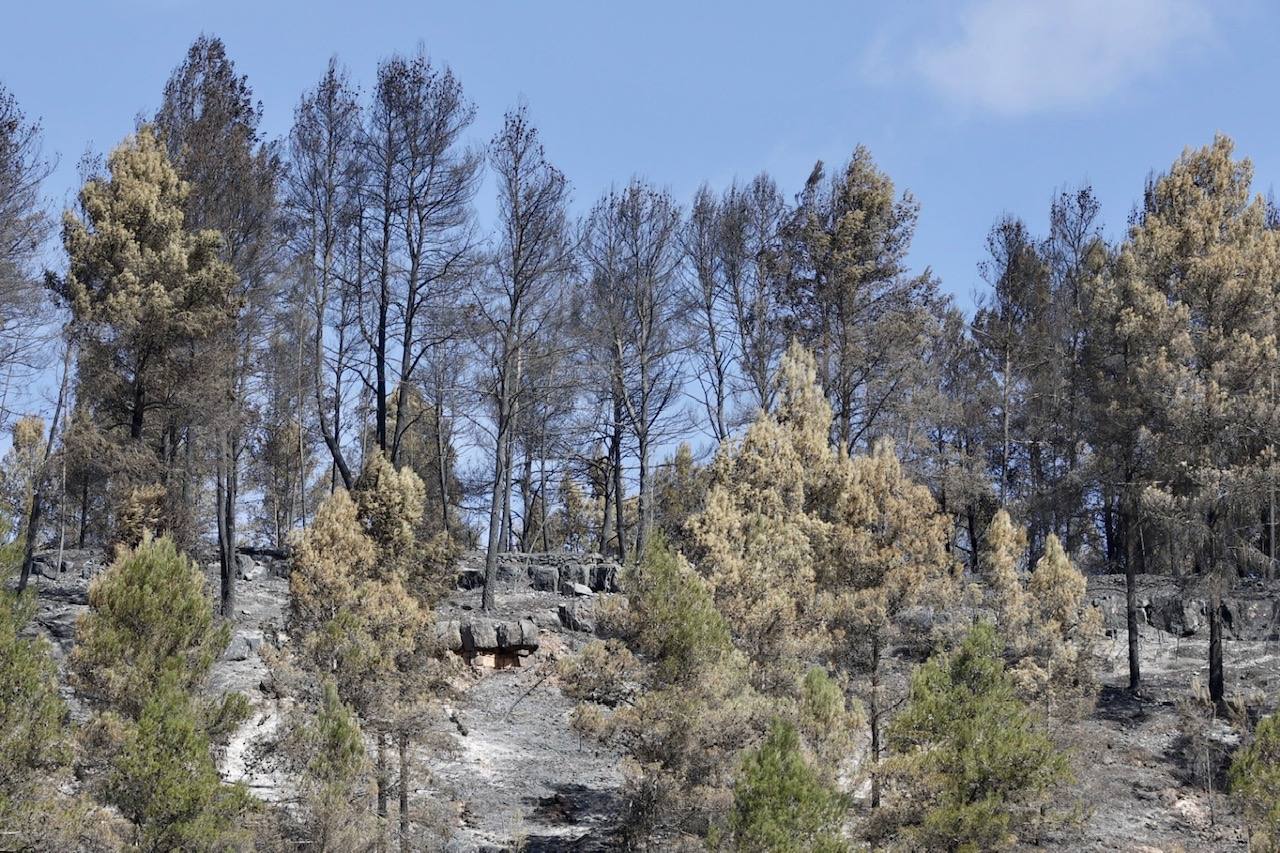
point(1217, 690)
point(620, 518)
point(497, 507)
point(442, 469)
point(84, 514)
point(32, 525)
point(873, 713)
point(1131, 597)
point(606, 523)
point(383, 782)
point(404, 792)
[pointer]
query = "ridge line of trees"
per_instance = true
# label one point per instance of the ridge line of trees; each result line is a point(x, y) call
point(250, 321)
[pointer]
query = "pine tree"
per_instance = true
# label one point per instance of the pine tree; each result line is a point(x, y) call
point(326, 753)
point(781, 804)
point(850, 298)
point(1127, 323)
point(1255, 782)
point(143, 291)
point(1002, 554)
point(149, 615)
point(945, 444)
point(24, 226)
point(1205, 263)
point(1062, 657)
point(208, 123)
point(1006, 328)
point(887, 558)
point(1049, 629)
point(164, 779)
point(762, 529)
point(19, 470)
point(787, 516)
point(681, 705)
point(425, 448)
point(973, 768)
point(35, 751)
point(829, 724)
point(144, 648)
point(362, 596)
point(679, 489)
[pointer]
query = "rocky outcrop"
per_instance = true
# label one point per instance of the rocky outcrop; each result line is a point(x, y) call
point(61, 580)
point(256, 563)
point(65, 575)
point(1179, 606)
point(489, 642)
point(555, 571)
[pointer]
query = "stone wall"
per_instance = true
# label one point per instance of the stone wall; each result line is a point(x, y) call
point(1250, 608)
point(553, 571)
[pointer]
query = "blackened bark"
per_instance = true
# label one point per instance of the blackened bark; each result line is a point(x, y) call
point(404, 792)
point(1216, 680)
point(1131, 597)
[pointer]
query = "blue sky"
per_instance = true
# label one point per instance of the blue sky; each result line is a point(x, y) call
point(979, 107)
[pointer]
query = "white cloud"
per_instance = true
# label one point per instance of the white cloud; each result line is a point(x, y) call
point(1020, 56)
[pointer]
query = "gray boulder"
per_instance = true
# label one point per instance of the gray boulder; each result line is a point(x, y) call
point(479, 635)
point(1182, 617)
point(242, 647)
point(59, 620)
point(528, 634)
point(486, 636)
point(544, 578)
point(578, 615)
point(449, 634)
point(248, 568)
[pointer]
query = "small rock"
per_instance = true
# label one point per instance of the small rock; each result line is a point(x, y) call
point(470, 578)
point(604, 577)
point(582, 590)
point(238, 649)
point(548, 620)
point(573, 574)
point(528, 634)
point(60, 621)
point(507, 634)
point(1191, 813)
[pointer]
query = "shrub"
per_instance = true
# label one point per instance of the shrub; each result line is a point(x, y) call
point(327, 754)
point(1255, 782)
point(781, 804)
point(34, 744)
point(682, 705)
point(164, 779)
point(673, 619)
point(974, 769)
point(149, 616)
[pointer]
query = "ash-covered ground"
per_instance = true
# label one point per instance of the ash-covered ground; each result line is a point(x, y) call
point(502, 766)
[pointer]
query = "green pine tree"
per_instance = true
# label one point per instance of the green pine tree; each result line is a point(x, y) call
point(973, 768)
point(149, 614)
point(1255, 782)
point(144, 291)
point(781, 804)
point(164, 779)
point(33, 720)
point(326, 752)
